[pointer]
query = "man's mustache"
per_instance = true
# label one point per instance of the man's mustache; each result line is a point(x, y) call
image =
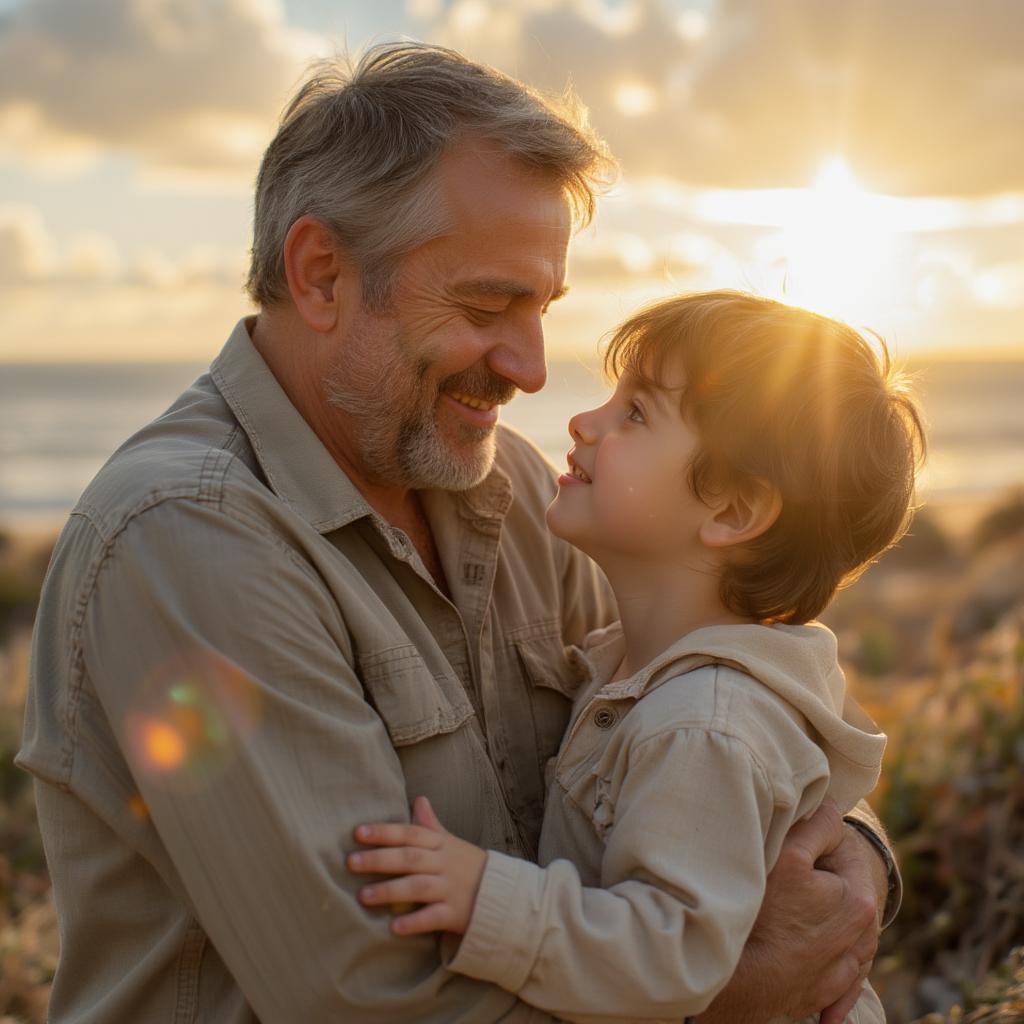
point(481, 383)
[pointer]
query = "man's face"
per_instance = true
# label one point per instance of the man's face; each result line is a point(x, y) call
point(422, 382)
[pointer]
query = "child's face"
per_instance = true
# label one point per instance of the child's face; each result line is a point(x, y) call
point(633, 496)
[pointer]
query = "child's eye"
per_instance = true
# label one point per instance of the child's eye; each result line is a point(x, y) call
point(636, 414)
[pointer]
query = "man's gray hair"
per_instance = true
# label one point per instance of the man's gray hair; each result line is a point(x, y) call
point(356, 146)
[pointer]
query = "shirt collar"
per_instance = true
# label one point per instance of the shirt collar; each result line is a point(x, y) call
point(299, 469)
point(605, 649)
point(806, 652)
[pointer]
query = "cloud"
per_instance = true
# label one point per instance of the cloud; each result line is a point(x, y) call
point(30, 259)
point(26, 250)
point(179, 83)
point(923, 97)
point(88, 298)
point(620, 258)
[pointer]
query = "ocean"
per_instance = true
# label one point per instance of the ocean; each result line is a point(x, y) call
point(59, 423)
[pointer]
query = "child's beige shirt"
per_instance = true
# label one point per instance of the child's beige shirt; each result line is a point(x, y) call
point(668, 803)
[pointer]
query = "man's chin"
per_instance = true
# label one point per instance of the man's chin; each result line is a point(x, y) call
point(455, 466)
point(474, 471)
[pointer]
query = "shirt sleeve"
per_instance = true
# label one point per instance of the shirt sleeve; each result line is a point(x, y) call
point(683, 875)
point(868, 1009)
point(222, 662)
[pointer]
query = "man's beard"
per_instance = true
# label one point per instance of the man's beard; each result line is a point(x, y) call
point(393, 403)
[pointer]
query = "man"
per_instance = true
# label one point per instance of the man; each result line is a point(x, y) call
point(320, 585)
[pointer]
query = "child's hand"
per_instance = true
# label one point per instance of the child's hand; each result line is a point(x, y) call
point(437, 869)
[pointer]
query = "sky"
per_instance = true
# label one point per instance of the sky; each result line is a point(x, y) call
point(861, 157)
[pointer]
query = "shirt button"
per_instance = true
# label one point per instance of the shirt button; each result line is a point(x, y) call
point(604, 718)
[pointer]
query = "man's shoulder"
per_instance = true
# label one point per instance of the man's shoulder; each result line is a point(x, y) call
point(196, 451)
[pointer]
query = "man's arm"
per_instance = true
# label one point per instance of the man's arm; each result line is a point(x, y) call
point(816, 935)
point(223, 665)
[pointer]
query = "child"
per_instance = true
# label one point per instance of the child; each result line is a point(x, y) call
point(752, 459)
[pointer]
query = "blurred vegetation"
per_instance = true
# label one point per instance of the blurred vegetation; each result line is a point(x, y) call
point(953, 801)
point(933, 637)
point(925, 545)
point(1003, 521)
point(28, 926)
point(21, 574)
point(998, 1000)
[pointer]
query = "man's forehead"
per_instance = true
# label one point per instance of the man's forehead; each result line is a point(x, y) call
point(483, 188)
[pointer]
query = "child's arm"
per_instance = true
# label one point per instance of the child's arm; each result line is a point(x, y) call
point(684, 871)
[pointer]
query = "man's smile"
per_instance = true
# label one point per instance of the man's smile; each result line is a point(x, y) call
point(474, 410)
point(473, 403)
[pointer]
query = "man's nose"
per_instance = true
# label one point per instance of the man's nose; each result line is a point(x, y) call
point(520, 356)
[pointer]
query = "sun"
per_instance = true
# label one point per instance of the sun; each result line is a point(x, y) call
point(839, 249)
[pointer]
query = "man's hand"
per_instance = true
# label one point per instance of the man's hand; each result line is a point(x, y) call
point(857, 862)
point(438, 869)
point(816, 934)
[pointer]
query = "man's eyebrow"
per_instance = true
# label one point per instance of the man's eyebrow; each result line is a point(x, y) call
point(503, 288)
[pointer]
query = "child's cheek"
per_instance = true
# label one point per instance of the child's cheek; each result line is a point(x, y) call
point(626, 503)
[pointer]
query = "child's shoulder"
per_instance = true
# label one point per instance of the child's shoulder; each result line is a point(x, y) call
point(720, 697)
point(723, 699)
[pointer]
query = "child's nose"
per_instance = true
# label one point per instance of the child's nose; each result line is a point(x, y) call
point(582, 427)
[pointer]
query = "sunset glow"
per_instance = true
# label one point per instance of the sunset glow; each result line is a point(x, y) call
point(842, 163)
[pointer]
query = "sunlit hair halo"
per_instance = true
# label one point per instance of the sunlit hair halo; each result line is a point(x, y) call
point(780, 394)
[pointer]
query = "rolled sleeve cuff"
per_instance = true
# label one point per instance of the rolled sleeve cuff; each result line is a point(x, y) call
point(500, 945)
point(894, 897)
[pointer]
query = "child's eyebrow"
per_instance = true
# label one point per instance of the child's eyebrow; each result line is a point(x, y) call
point(659, 396)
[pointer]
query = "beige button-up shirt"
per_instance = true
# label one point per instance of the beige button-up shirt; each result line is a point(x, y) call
point(236, 661)
point(670, 799)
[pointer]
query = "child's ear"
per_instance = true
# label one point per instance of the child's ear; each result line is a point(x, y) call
point(741, 513)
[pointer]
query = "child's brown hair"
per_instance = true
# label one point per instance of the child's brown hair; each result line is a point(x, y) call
point(780, 394)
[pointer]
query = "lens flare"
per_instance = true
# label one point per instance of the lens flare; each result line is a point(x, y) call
point(191, 718)
point(164, 746)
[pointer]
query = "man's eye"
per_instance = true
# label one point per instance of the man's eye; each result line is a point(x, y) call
point(483, 314)
point(636, 414)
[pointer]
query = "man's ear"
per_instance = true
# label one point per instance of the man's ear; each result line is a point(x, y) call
point(318, 272)
point(742, 512)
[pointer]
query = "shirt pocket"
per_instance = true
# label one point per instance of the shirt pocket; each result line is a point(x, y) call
point(413, 702)
point(552, 673)
point(548, 662)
